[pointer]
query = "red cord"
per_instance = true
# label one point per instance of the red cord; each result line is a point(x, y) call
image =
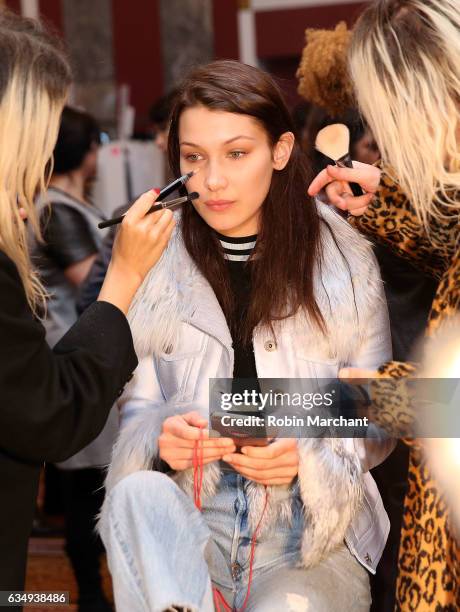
point(219, 599)
point(198, 470)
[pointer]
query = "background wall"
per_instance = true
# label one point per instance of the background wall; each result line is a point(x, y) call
point(149, 44)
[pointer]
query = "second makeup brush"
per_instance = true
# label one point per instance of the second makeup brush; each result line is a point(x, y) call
point(168, 204)
point(333, 141)
point(164, 193)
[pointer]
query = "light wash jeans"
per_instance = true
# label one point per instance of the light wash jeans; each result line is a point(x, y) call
point(163, 553)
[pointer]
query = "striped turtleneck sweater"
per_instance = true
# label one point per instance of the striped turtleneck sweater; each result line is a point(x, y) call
point(237, 249)
point(237, 252)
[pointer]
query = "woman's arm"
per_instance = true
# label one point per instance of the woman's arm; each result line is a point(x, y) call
point(393, 407)
point(55, 402)
point(384, 213)
point(68, 241)
point(392, 221)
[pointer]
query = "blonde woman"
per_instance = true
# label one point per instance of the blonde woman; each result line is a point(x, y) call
point(52, 402)
point(405, 65)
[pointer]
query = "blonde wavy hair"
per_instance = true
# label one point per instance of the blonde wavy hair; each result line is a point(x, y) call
point(34, 79)
point(404, 60)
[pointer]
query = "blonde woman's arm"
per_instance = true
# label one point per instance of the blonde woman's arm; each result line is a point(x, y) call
point(384, 213)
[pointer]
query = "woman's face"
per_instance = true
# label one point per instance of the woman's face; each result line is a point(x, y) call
point(235, 163)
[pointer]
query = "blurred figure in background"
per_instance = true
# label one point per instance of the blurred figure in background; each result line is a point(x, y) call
point(69, 224)
point(300, 115)
point(365, 149)
point(71, 243)
point(159, 119)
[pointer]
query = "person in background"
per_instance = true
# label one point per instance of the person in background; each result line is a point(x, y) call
point(300, 117)
point(364, 148)
point(55, 401)
point(68, 220)
point(159, 119)
point(71, 242)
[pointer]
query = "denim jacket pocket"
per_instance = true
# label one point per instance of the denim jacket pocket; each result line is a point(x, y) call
point(178, 367)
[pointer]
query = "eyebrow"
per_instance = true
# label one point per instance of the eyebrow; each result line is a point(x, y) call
point(193, 144)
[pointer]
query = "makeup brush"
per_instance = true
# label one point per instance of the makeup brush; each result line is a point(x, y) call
point(164, 193)
point(168, 204)
point(333, 141)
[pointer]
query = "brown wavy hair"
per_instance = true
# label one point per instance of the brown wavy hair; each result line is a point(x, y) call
point(323, 73)
point(287, 247)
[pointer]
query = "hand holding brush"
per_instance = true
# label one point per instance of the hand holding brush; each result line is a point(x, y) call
point(333, 142)
point(167, 190)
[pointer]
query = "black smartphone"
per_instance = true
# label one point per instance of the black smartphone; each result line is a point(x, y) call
point(245, 428)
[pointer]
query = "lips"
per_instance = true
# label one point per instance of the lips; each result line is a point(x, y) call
point(218, 205)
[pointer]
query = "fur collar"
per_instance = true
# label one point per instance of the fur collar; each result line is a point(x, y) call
point(175, 291)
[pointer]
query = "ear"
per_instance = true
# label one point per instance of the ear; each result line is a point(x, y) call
point(282, 150)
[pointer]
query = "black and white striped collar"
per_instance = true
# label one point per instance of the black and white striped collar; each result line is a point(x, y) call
point(237, 249)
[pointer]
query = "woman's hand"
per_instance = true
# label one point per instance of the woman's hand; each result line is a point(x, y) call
point(178, 438)
point(138, 246)
point(142, 238)
point(275, 464)
point(336, 181)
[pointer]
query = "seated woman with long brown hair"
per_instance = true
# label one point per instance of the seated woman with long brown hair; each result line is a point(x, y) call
point(259, 281)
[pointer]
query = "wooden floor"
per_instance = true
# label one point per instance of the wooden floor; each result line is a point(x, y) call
point(48, 569)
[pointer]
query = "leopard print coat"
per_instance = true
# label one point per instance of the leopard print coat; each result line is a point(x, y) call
point(429, 555)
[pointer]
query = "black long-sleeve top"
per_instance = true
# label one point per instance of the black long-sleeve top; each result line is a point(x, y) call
point(52, 402)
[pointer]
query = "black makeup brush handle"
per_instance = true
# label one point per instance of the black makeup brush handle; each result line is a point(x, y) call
point(345, 162)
